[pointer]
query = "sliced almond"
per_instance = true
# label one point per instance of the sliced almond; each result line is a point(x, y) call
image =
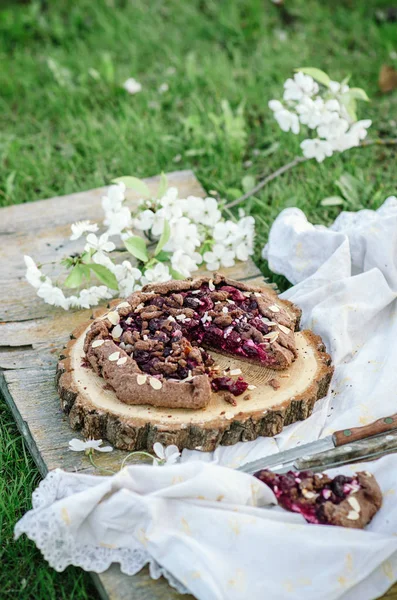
point(115, 356)
point(122, 360)
point(368, 474)
point(97, 343)
point(284, 329)
point(235, 372)
point(225, 309)
point(251, 387)
point(155, 383)
point(123, 305)
point(257, 294)
point(139, 307)
point(247, 294)
point(113, 317)
point(308, 494)
point(274, 308)
point(354, 504)
point(271, 337)
point(117, 332)
point(211, 285)
point(141, 379)
point(353, 515)
point(230, 301)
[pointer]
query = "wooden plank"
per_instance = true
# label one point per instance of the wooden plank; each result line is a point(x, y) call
point(32, 335)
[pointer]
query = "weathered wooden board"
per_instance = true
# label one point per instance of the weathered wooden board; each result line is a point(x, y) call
point(32, 335)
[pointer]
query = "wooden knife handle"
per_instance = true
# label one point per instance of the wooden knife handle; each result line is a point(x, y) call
point(345, 436)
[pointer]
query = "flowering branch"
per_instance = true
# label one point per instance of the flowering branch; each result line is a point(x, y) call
point(187, 233)
point(297, 161)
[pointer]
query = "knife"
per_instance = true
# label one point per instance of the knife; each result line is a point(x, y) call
point(314, 452)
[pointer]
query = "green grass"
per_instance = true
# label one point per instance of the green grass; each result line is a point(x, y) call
point(63, 130)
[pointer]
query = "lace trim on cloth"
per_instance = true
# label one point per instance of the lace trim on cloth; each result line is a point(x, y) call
point(60, 549)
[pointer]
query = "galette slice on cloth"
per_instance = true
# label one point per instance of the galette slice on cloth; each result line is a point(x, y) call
point(348, 501)
point(153, 348)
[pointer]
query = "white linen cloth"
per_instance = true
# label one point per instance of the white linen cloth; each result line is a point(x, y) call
point(211, 530)
point(201, 522)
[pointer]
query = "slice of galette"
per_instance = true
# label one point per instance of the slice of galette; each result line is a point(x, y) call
point(154, 348)
point(346, 501)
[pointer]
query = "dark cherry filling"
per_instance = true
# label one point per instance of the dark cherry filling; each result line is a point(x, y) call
point(166, 335)
point(307, 492)
point(234, 386)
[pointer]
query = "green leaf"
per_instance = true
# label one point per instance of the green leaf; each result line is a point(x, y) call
point(165, 236)
point(248, 182)
point(350, 104)
point(358, 94)
point(163, 186)
point(137, 247)
point(233, 193)
point(176, 274)
point(104, 275)
point(345, 81)
point(317, 74)
point(85, 269)
point(332, 201)
point(133, 183)
point(163, 256)
point(349, 187)
point(74, 278)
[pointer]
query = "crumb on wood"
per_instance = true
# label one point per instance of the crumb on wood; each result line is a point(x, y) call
point(230, 399)
point(274, 383)
point(247, 397)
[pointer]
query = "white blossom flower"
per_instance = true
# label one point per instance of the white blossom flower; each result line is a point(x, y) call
point(184, 234)
point(132, 86)
point(158, 222)
point(359, 130)
point(100, 244)
point(224, 231)
point(334, 128)
point(337, 88)
point(204, 211)
point(243, 251)
point(301, 85)
point(219, 256)
point(185, 264)
point(164, 87)
point(351, 138)
point(287, 120)
point(316, 148)
point(172, 207)
point(79, 446)
point(211, 213)
point(52, 295)
point(114, 199)
point(33, 274)
point(89, 297)
point(144, 220)
point(81, 227)
point(127, 277)
point(118, 221)
point(311, 112)
point(158, 274)
point(165, 456)
point(100, 258)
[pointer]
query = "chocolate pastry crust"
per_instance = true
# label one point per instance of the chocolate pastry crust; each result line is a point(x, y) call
point(153, 347)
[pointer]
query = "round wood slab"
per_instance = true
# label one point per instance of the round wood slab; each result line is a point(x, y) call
point(96, 410)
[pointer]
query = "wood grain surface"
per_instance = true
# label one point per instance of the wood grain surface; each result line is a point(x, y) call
point(33, 334)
